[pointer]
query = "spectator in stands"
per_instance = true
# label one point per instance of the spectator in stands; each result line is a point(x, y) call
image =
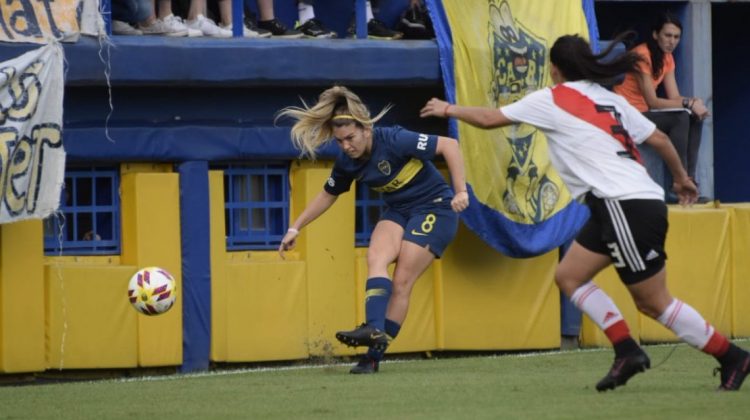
point(683, 119)
point(197, 20)
point(221, 11)
point(308, 24)
point(91, 236)
point(196, 17)
point(165, 14)
point(136, 17)
point(415, 22)
point(422, 214)
point(268, 22)
point(592, 135)
point(376, 28)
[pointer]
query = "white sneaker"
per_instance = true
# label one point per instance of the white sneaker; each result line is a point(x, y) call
point(176, 25)
point(208, 27)
point(123, 28)
point(158, 27)
point(249, 33)
point(177, 22)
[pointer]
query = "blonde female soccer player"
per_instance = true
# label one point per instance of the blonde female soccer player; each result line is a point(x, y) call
point(422, 214)
point(592, 135)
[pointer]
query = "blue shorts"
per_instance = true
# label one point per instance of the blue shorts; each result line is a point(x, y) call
point(431, 227)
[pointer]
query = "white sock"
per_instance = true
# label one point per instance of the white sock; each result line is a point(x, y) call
point(370, 16)
point(687, 324)
point(597, 305)
point(305, 12)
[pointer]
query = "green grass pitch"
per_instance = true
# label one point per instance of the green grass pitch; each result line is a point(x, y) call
point(558, 385)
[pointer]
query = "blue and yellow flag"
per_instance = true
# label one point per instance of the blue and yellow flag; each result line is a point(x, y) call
point(492, 53)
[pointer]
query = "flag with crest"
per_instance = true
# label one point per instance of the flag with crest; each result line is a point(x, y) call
point(492, 53)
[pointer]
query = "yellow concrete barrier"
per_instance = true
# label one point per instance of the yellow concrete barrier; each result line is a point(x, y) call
point(491, 301)
point(21, 297)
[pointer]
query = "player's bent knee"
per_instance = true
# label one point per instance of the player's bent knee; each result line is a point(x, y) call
point(565, 281)
point(647, 307)
point(378, 260)
point(401, 285)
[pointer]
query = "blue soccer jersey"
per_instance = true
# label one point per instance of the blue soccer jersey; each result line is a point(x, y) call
point(399, 166)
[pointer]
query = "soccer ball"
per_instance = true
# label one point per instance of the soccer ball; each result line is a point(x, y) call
point(152, 290)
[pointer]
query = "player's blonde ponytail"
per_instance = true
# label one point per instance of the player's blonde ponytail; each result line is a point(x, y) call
point(337, 106)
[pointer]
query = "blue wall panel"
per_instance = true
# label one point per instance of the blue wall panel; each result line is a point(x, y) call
point(209, 123)
point(152, 60)
point(731, 44)
point(196, 265)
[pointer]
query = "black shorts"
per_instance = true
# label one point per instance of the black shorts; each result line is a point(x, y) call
point(631, 232)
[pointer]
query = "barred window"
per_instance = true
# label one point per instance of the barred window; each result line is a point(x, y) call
point(369, 206)
point(256, 205)
point(88, 219)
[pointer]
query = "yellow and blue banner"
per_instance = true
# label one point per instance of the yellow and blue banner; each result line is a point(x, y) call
point(38, 21)
point(41, 21)
point(492, 53)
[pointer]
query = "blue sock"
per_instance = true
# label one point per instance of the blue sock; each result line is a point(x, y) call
point(391, 329)
point(377, 294)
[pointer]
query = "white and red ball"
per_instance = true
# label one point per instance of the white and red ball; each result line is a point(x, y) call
point(152, 290)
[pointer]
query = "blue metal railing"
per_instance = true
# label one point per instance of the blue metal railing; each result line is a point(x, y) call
point(256, 205)
point(90, 203)
point(105, 8)
point(360, 18)
point(368, 207)
point(237, 17)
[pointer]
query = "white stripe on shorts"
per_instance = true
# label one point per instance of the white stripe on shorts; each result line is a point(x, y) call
point(624, 236)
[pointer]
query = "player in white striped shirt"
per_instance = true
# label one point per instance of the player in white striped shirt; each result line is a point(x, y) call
point(592, 135)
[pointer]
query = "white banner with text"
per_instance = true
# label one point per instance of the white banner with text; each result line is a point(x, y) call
point(32, 158)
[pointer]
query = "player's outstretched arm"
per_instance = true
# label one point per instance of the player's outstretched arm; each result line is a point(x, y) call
point(477, 116)
point(317, 206)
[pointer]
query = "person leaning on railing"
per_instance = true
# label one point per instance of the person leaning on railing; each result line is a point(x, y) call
point(680, 117)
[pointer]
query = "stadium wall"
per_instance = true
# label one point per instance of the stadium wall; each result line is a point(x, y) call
point(74, 313)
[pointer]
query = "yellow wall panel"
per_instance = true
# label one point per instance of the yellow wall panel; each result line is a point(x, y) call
point(418, 331)
point(740, 263)
point(609, 281)
point(266, 311)
point(327, 247)
point(219, 288)
point(143, 167)
point(698, 247)
point(21, 297)
point(360, 267)
point(90, 322)
point(151, 237)
point(495, 302)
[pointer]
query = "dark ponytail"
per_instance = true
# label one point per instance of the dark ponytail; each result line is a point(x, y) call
point(572, 55)
point(657, 55)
